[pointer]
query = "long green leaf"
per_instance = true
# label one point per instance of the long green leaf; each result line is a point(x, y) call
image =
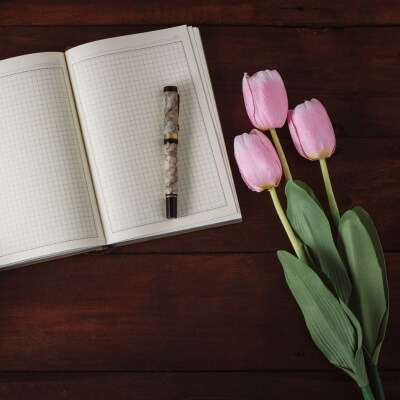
point(373, 234)
point(368, 299)
point(359, 356)
point(333, 327)
point(366, 220)
point(308, 189)
point(312, 227)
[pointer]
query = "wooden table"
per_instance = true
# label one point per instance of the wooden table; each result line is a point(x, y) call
point(207, 315)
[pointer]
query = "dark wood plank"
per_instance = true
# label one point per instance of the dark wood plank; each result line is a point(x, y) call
point(162, 312)
point(195, 386)
point(292, 12)
point(349, 70)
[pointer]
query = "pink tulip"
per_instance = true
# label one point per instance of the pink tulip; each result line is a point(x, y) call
point(258, 162)
point(265, 99)
point(311, 130)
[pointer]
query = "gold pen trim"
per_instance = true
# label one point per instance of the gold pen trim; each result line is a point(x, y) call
point(172, 135)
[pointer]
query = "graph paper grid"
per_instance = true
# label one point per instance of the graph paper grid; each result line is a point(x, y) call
point(44, 196)
point(120, 95)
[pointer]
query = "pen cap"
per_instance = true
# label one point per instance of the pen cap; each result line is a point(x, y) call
point(171, 110)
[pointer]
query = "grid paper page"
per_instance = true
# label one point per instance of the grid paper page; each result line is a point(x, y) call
point(44, 198)
point(194, 34)
point(120, 95)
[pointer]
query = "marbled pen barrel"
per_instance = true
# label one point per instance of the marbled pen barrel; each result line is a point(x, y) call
point(171, 127)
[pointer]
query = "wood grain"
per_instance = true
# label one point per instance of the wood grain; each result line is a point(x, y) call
point(353, 71)
point(194, 386)
point(237, 12)
point(162, 312)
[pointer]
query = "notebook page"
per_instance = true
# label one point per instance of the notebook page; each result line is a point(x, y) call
point(118, 90)
point(47, 203)
point(195, 38)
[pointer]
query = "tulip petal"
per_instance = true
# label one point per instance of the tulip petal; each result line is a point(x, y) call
point(273, 170)
point(265, 99)
point(248, 99)
point(259, 172)
point(244, 162)
point(311, 130)
point(270, 99)
point(295, 135)
point(258, 162)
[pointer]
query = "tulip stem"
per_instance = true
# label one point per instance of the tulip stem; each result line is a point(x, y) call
point(289, 231)
point(366, 391)
point(281, 154)
point(329, 192)
point(376, 379)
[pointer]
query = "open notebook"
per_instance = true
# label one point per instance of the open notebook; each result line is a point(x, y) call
point(81, 146)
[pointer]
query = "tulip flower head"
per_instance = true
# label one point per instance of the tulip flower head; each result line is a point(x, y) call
point(257, 160)
point(311, 130)
point(265, 99)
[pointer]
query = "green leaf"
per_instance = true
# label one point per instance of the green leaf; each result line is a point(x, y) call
point(308, 189)
point(373, 234)
point(333, 327)
point(368, 299)
point(313, 264)
point(312, 227)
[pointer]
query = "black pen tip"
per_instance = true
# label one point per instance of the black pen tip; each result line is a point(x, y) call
point(172, 206)
point(170, 89)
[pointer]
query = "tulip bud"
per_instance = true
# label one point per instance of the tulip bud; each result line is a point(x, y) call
point(265, 99)
point(257, 160)
point(311, 130)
